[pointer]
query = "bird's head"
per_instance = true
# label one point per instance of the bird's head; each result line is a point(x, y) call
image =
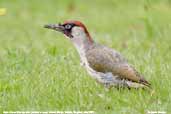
point(74, 30)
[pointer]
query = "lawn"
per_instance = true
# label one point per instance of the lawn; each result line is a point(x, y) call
point(40, 69)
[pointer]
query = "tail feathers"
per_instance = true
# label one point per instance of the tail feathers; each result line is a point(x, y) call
point(144, 82)
point(135, 85)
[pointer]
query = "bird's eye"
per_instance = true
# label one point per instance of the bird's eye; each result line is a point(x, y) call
point(68, 26)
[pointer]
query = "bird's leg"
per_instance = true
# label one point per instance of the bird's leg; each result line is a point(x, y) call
point(119, 83)
point(107, 86)
point(109, 80)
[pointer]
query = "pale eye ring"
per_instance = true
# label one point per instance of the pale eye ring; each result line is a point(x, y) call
point(68, 26)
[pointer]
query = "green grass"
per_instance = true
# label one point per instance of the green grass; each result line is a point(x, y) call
point(39, 68)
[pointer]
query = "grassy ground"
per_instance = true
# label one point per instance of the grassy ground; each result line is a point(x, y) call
point(39, 68)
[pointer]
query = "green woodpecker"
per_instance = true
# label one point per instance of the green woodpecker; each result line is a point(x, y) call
point(104, 64)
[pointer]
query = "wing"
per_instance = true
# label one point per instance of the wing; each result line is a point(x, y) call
point(104, 59)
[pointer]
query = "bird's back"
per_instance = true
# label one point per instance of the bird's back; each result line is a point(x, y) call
point(104, 59)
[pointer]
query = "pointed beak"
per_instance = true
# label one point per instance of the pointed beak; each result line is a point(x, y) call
point(57, 27)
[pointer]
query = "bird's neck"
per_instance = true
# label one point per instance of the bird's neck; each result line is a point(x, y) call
point(82, 46)
point(81, 40)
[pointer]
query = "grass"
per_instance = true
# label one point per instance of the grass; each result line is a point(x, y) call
point(39, 68)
